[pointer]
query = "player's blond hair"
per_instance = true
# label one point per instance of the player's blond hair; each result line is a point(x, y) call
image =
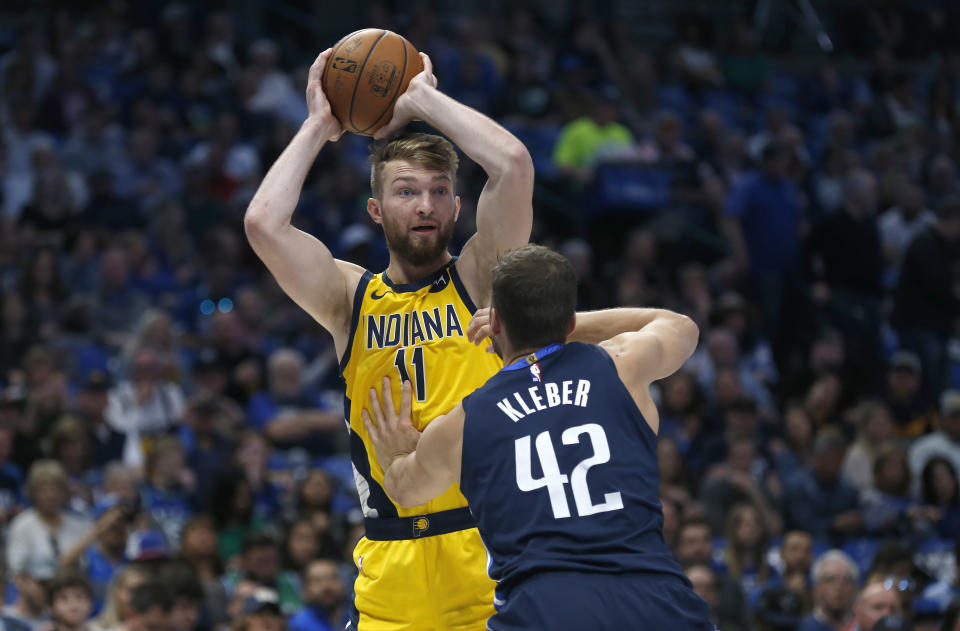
point(425, 151)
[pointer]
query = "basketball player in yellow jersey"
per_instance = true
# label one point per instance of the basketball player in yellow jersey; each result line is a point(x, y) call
point(421, 569)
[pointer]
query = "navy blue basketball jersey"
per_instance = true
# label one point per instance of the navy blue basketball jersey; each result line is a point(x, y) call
point(560, 469)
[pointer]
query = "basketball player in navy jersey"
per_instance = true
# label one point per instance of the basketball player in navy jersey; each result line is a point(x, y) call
point(556, 455)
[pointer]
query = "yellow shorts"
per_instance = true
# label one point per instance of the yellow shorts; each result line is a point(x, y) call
point(437, 583)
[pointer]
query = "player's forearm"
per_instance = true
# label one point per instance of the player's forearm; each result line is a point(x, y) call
point(274, 202)
point(496, 150)
point(405, 482)
point(594, 327)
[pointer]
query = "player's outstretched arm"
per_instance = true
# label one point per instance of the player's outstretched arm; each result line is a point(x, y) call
point(302, 265)
point(655, 351)
point(590, 327)
point(417, 467)
point(505, 207)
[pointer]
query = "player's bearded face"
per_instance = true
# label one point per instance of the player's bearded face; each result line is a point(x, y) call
point(418, 214)
point(403, 238)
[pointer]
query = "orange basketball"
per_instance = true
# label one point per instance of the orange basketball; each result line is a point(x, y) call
point(365, 74)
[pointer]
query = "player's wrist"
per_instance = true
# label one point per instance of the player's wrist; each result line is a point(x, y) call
point(322, 128)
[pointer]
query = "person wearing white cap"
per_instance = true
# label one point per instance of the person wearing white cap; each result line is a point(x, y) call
point(945, 442)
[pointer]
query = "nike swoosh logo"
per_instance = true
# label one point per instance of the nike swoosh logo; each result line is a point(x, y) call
point(373, 294)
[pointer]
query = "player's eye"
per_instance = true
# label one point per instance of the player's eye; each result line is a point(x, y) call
point(406, 192)
point(441, 191)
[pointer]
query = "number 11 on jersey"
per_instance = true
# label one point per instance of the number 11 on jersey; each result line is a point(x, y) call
point(419, 371)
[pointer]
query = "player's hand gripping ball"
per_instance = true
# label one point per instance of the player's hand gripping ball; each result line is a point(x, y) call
point(365, 74)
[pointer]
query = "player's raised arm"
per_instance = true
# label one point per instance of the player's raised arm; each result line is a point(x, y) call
point(302, 265)
point(661, 345)
point(505, 206)
point(417, 467)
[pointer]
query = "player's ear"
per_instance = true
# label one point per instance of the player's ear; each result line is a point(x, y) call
point(573, 324)
point(456, 207)
point(373, 209)
point(496, 325)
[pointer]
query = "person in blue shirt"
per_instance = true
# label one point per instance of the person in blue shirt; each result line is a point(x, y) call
point(559, 415)
point(324, 598)
point(834, 588)
point(103, 550)
point(291, 415)
point(166, 493)
point(819, 499)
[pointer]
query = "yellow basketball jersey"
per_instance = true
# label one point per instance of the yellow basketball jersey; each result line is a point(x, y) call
point(416, 331)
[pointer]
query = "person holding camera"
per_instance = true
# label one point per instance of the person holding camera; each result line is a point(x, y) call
point(102, 550)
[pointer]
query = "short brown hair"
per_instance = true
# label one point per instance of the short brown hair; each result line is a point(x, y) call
point(426, 151)
point(535, 293)
point(65, 579)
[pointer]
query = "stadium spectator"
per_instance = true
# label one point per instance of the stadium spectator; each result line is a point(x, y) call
point(874, 432)
point(704, 581)
point(198, 547)
point(42, 533)
point(943, 594)
point(818, 499)
point(904, 394)
point(260, 564)
point(102, 551)
point(796, 553)
point(946, 442)
point(168, 487)
point(30, 607)
point(695, 548)
point(901, 223)
point(834, 589)
point(940, 490)
point(874, 602)
point(150, 604)
point(925, 302)
point(145, 406)
point(90, 407)
point(848, 282)
point(323, 596)
point(588, 140)
point(288, 413)
point(745, 558)
point(71, 601)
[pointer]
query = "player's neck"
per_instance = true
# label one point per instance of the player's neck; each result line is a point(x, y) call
point(511, 355)
point(401, 272)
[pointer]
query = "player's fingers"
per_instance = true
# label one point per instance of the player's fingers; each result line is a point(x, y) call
point(490, 348)
point(477, 325)
point(371, 428)
point(427, 64)
point(389, 411)
point(316, 69)
point(406, 403)
point(387, 129)
point(375, 407)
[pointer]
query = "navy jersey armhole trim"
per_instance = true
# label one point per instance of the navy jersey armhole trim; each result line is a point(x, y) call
point(461, 288)
point(623, 387)
point(355, 317)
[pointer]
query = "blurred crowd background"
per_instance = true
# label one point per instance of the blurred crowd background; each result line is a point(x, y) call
point(172, 448)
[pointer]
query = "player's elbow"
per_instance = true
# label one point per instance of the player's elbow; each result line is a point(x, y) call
point(519, 161)
point(405, 497)
point(688, 332)
point(254, 221)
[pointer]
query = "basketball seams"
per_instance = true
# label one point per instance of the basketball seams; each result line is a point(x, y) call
point(363, 66)
point(327, 71)
point(399, 90)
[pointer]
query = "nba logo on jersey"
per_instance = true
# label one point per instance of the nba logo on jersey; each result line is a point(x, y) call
point(535, 372)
